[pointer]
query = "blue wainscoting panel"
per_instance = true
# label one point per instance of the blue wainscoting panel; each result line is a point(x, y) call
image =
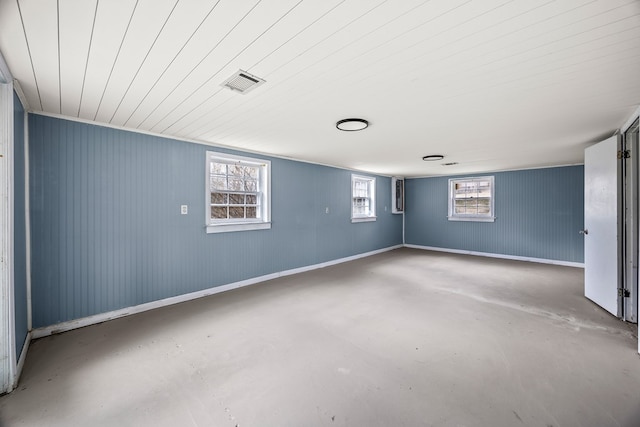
point(19, 227)
point(538, 215)
point(107, 232)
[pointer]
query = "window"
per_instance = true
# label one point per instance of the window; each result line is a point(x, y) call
point(363, 198)
point(238, 193)
point(397, 195)
point(471, 199)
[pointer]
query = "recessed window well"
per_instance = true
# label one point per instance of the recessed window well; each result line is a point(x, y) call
point(433, 157)
point(352, 124)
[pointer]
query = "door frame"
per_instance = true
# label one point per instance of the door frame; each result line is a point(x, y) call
point(8, 362)
point(630, 232)
point(632, 236)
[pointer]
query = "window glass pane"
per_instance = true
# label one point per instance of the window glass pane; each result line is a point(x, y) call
point(219, 212)
point(251, 212)
point(219, 168)
point(250, 185)
point(465, 189)
point(219, 198)
point(471, 206)
point(218, 183)
point(360, 188)
point(236, 199)
point(484, 205)
point(236, 212)
point(252, 199)
point(361, 206)
point(236, 184)
point(252, 172)
point(236, 170)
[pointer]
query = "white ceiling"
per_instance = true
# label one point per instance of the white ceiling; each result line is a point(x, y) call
point(490, 84)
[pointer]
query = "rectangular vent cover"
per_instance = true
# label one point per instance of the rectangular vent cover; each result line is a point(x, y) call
point(243, 82)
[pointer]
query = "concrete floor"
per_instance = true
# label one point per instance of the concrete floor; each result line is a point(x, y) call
point(405, 338)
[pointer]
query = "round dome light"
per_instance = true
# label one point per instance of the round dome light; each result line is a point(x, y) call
point(433, 157)
point(350, 125)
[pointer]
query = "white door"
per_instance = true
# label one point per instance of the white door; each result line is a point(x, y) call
point(601, 273)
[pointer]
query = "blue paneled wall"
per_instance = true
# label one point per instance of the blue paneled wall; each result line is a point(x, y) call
point(107, 231)
point(539, 213)
point(19, 227)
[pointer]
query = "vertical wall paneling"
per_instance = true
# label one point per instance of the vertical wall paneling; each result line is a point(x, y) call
point(538, 215)
point(107, 232)
point(19, 228)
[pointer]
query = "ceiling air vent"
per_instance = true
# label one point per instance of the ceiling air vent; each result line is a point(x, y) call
point(243, 82)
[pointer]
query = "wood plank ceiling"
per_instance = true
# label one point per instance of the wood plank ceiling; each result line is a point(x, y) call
point(492, 84)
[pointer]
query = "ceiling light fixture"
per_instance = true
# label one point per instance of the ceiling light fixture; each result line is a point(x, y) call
point(349, 125)
point(433, 157)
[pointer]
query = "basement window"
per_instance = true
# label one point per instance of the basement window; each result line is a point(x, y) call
point(471, 199)
point(238, 193)
point(363, 199)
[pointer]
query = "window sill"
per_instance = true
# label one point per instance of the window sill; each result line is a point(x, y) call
point(227, 228)
point(364, 219)
point(472, 219)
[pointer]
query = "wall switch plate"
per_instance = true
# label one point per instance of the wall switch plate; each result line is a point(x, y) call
point(184, 209)
point(326, 210)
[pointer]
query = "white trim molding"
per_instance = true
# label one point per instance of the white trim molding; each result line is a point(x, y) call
point(23, 357)
point(111, 315)
point(199, 141)
point(21, 96)
point(501, 256)
point(630, 120)
point(5, 73)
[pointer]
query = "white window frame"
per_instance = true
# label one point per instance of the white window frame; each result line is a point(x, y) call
point(370, 183)
point(488, 217)
point(263, 220)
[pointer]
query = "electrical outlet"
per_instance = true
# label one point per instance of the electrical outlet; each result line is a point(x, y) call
point(184, 209)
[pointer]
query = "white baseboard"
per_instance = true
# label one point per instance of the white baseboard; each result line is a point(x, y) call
point(103, 317)
point(23, 357)
point(491, 255)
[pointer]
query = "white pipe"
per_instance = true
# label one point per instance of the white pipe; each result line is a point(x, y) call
point(27, 219)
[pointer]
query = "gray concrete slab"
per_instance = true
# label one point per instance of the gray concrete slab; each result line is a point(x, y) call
point(405, 338)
